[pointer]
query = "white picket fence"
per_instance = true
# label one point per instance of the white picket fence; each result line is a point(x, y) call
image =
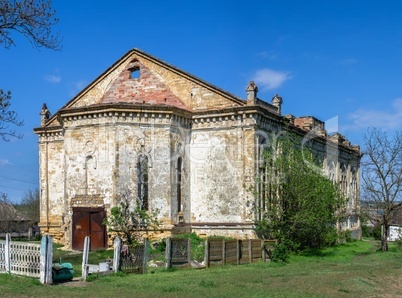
point(28, 259)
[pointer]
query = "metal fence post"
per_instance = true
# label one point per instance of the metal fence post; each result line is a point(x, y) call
point(238, 251)
point(189, 253)
point(85, 253)
point(263, 250)
point(168, 253)
point(145, 259)
point(7, 253)
point(223, 252)
point(250, 251)
point(206, 253)
point(116, 254)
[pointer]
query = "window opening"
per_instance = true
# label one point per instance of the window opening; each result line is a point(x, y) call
point(179, 165)
point(135, 73)
point(89, 173)
point(143, 182)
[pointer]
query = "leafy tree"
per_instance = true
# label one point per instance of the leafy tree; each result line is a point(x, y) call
point(382, 178)
point(34, 20)
point(300, 206)
point(130, 220)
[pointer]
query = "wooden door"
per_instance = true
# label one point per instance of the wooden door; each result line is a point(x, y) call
point(88, 222)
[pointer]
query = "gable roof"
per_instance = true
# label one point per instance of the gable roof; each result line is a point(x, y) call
point(9, 213)
point(159, 83)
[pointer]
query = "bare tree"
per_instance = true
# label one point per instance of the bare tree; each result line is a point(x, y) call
point(382, 178)
point(34, 19)
point(30, 205)
point(7, 117)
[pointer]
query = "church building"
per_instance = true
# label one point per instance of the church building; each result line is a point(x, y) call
point(181, 146)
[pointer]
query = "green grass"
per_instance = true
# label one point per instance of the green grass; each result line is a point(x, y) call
point(353, 269)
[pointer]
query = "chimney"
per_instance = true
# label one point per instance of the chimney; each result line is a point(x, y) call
point(251, 90)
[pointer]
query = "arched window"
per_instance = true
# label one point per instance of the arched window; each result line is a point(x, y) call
point(179, 201)
point(264, 170)
point(142, 170)
point(90, 167)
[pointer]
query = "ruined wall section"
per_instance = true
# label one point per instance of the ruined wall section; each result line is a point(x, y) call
point(196, 96)
point(180, 170)
point(137, 84)
point(95, 91)
point(51, 173)
point(160, 137)
point(90, 162)
point(222, 165)
point(150, 141)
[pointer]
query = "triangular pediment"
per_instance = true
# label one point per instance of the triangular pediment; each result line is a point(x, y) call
point(139, 78)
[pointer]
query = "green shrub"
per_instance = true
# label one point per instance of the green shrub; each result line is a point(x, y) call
point(367, 231)
point(398, 244)
point(345, 236)
point(281, 252)
point(377, 232)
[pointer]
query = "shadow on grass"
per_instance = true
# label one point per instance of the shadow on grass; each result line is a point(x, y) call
point(317, 253)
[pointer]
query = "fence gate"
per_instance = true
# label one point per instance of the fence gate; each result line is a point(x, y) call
point(133, 259)
point(178, 252)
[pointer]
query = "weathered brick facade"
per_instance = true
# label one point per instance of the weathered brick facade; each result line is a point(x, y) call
point(200, 144)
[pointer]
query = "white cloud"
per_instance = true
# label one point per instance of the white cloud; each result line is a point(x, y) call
point(4, 162)
point(267, 79)
point(364, 118)
point(53, 79)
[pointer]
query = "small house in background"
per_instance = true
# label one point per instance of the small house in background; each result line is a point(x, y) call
point(176, 144)
point(394, 233)
point(13, 221)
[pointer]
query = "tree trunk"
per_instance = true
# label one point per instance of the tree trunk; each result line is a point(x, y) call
point(384, 238)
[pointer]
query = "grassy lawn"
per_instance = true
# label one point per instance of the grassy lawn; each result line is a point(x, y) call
point(351, 270)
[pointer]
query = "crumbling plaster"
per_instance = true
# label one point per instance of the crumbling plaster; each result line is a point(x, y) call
point(89, 149)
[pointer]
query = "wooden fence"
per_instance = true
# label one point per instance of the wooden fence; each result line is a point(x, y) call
point(220, 252)
point(27, 259)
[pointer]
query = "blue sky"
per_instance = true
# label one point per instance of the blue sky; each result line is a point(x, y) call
point(325, 58)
